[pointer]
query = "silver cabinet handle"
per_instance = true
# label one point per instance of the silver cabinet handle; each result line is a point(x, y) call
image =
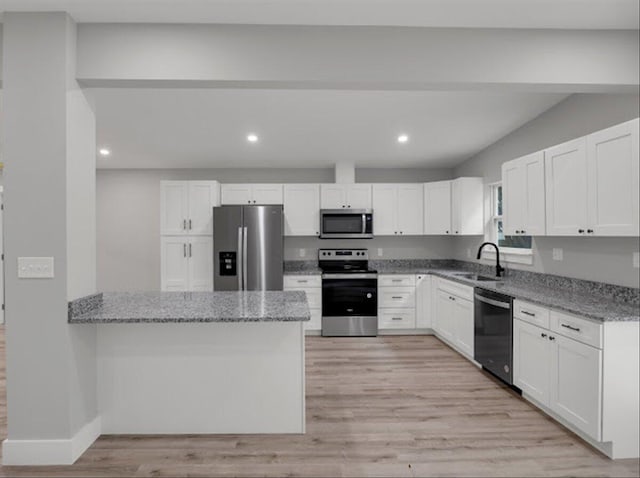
point(184, 250)
point(190, 255)
point(543, 335)
point(575, 329)
point(530, 314)
point(190, 224)
point(552, 337)
point(184, 224)
point(396, 318)
point(396, 297)
point(301, 281)
point(240, 260)
point(396, 280)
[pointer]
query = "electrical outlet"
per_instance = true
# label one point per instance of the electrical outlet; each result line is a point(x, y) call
point(469, 253)
point(636, 260)
point(35, 267)
point(302, 252)
point(379, 251)
point(557, 254)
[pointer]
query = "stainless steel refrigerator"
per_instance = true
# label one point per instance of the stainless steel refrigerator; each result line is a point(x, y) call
point(248, 247)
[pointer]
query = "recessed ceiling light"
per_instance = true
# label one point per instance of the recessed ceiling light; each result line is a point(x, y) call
point(104, 152)
point(403, 138)
point(252, 138)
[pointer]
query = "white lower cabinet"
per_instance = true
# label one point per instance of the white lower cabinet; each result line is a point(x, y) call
point(312, 286)
point(453, 315)
point(396, 303)
point(531, 356)
point(186, 263)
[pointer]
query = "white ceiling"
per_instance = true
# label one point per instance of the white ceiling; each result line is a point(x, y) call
point(204, 128)
point(571, 14)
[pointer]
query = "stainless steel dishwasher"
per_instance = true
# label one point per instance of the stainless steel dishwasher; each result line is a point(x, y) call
point(493, 333)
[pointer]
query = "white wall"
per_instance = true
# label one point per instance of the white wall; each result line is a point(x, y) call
point(598, 259)
point(128, 220)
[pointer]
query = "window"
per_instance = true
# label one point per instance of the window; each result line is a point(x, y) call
point(496, 234)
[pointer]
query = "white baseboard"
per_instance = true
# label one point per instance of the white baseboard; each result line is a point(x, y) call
point(50, 452)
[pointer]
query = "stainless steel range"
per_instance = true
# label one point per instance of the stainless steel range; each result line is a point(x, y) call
point(349, 293)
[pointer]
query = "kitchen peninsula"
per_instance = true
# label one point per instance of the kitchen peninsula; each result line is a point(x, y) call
point(198, 362)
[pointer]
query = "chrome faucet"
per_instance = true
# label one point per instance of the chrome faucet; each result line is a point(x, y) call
point(499, 268)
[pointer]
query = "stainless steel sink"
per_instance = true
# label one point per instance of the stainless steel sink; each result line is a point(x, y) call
point(477, 277)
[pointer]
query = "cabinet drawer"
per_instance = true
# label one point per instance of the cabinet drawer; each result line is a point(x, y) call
point(453, 288)
point(398, 297)
point(395, 280)
point(291, 281)
point(397, 319)
point(582, 330)
point(534, 314)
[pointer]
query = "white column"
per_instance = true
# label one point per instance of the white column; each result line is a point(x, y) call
point(49, 179)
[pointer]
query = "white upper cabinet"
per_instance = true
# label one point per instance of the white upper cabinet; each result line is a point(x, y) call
point(186, 207)
point(338, 196)
point(251, 194)
point(566, 188)
point(524, 196)
point(302, 209)
point(397, 209)
point(203, 196)
point(467, 206)
point(437, 207)
point(612, 181)
point(454, 207)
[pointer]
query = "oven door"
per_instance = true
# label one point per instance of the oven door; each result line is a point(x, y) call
point(349, 295)
point(341, 224)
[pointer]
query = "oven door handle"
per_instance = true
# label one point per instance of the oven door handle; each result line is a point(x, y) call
point(350, 276)
point(502, 305)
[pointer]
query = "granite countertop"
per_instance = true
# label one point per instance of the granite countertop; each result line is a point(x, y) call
point(598, 303)
point(177, 307)
point(591, 306)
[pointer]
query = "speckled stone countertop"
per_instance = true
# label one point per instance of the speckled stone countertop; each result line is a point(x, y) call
point(591, 306)
point(594, 300)
point(158, 307)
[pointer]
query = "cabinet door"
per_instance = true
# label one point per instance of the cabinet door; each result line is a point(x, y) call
point(444, 317)
point(409, 209)
point(385, 207)
point(464, 331)
point(513, 197)
point(203, 196)
point(467, 206)
point(173, 207)
point(235, 194)
point(266, 194)
point(302, 209)
point(333, 196)
point(576, 377)
point(534, 213)
point(437, 207)
point(566, 189)
point(315, 323)
point(359, 196)
point(174, 275)
point(423, 301)
point(200, 263)
point(612, 163)
point(531, 360)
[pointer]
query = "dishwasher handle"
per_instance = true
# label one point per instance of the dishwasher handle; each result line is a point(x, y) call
point(502, 305)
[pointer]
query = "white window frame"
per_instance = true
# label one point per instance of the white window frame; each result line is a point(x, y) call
point(510, 255)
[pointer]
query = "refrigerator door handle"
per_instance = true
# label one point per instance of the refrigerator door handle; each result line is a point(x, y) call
point(244, 258)
point(240, 260)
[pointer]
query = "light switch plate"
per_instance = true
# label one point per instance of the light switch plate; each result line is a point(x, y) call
point(35, 267)
point(636, 260)
point(469, 253)
point(557, 254)
point(380, 251)
point(302, 252)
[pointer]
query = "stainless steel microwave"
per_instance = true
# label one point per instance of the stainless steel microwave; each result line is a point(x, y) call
point(346, 223)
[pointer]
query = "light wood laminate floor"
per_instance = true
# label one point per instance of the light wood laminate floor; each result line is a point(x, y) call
point(385, 406)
